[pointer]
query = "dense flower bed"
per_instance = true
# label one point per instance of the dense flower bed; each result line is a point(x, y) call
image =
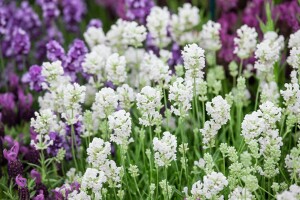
point(157, 100)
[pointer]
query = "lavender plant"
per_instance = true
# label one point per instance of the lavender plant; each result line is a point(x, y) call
point(162, 105)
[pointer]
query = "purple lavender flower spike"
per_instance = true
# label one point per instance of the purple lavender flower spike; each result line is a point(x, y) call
point(73, 11)
point(75, 185)
point(95, 23)
point(226, 53)
point(28, 19)
point(4, 20)
point(55, 51)
point(227, 34)
point(50, 10)
point(226, 20)
point(14, 167)
point(75, 58)
point(34, 78)
point(287, 14)
point(63, 192)
point(254, 10)
point(52, 34)
point(77, 50)
point(12, 154)
point(21, 182)
point(57, 143)
point(6, 46)
point(134, 10)
point(176, 55)
point(61, 142)
point(20, 42)
point(22, 189)
point(36, 175)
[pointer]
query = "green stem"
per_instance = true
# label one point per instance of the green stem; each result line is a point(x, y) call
point(142, 140)
point(166, 108)
point(156, 195)
point(194, 94)
point(239, 118)
point(203, 113)
point(241, 67)
point(115, 193)
point(241, 146)
point(257, 96)
point(266, 191)
point(231, 131)
point(196, 114)
point(124, 166)
point(166, 174)
point(183, 141)
point(197, 111)
point(224, 166)
point(73, 146)
point(151, 168)
point(63, 168)
point(285, 134)
point(43, 166)
point(234, 81)
point(137, 187)
point(150, 131)
point(282, 124)
point(178, 174)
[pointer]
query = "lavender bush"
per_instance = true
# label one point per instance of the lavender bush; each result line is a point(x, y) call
point(154, 100)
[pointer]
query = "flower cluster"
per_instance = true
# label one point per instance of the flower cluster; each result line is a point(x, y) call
point(245, 42)
point(106, 101)
point(219, 110)
point(212, 184)
point(194, 63)
point(149, 103)
point(104, 170)
point(181, 92)
point(165, 149)
point(267, 52)
point(120, 123)
point(210, 36)
point(157, 24)
point(172, 102)
point(183, 23)
point(259, 129)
